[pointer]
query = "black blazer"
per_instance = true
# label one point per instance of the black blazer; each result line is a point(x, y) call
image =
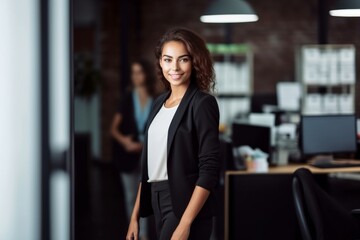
point(123, 160)
point(193, 152)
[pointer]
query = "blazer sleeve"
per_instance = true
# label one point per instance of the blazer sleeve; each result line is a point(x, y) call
point(206, 118)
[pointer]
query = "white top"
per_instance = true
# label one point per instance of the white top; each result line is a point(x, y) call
point(157, 144)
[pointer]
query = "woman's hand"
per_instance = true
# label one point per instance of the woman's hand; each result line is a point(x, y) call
point(130, 145)
point(182, 232)
point(133, 230)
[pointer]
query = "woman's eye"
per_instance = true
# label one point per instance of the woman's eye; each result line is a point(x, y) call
point(167, 60)
point(184, 60)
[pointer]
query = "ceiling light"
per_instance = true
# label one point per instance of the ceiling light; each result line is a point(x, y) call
point(346, 8)
point(229, 11)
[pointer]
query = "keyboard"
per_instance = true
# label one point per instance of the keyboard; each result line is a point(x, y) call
point(335, 163)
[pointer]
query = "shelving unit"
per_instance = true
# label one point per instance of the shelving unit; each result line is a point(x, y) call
point(327, 75)
point(233, 64)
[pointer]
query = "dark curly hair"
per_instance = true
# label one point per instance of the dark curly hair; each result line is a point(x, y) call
point(150, 78)
point(202, 70)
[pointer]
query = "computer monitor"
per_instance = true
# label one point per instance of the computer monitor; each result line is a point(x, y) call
point(328, 134)
point(252, 135)
point(259, 100)
point(266, 120)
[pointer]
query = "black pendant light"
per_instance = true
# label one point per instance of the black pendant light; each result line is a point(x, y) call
point(346, 8)
point(229, 11)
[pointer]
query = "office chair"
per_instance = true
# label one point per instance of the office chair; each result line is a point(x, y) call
point(320, 217)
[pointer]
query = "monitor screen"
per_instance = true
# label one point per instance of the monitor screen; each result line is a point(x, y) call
point(252, 135)
point(328, 134)
point(258, 101)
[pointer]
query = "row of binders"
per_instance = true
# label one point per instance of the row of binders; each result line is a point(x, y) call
point(328, 104)
point(230, 108)
point(328, 66)
point(232, 77)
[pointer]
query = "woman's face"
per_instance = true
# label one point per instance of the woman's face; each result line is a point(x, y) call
point(176, 63)
point(137, 75)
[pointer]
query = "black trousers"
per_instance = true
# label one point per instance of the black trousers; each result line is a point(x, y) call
point(165, 219)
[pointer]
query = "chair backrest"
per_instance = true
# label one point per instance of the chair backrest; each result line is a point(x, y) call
point(300, 209)
point(320, 217)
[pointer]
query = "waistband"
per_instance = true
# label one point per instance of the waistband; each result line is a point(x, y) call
point(160, 185)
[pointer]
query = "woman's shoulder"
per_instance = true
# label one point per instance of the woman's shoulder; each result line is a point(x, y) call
point(201, 97)
point(204, 101)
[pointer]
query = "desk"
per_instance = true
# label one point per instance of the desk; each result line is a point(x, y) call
point(289, 169)
point(260, 205)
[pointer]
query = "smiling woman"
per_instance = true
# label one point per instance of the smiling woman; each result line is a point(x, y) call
point(180, 159)
point(192, 51)
point(175, 63)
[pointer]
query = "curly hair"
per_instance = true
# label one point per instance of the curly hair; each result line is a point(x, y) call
point(202, 66)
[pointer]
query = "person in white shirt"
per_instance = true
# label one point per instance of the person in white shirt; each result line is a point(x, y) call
point(180, 158)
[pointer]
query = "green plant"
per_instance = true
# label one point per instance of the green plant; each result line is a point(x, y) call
point(86, 76)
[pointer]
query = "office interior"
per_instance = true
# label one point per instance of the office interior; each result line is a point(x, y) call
point(287, 88)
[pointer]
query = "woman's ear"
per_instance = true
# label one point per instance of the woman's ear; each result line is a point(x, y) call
point(160, 63)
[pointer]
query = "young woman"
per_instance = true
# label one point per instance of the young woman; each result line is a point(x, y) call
point(127, 130)
point(180, 158)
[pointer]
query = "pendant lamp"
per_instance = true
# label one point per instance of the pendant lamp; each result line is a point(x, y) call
point(346, 8)
point(229, 11)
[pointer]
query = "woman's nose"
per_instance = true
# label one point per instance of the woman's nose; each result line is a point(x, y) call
point(175, 65)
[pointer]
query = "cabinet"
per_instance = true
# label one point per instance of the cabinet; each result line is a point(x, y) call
point(233, 65)
point(327, 75)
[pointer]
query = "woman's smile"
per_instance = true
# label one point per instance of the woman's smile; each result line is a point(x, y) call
point(176, 76)
point(176, 64)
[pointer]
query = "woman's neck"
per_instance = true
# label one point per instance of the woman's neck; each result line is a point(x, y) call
point(141, 90)
point(178, 92)
point(142, 95)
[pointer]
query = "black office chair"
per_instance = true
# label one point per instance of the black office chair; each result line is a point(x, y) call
point(320, 217)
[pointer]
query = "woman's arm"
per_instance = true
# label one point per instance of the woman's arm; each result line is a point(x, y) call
point(207, 127)
point(197, 201)
point(133, 230)
point(125, 141)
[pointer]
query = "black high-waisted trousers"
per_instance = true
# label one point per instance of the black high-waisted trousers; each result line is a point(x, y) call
point(166, 221)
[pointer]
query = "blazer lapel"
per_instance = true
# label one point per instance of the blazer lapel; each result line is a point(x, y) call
point(179, 114)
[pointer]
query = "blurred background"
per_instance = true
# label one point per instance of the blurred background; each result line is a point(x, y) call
point(112, 34)
point(259, 67)
point(68, 66)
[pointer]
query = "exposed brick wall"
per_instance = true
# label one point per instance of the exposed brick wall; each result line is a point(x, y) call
point(84, 39)
point(273, 37)
point(283, 26)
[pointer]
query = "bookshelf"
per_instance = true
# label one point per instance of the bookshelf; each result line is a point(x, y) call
point(233, 65)
point(327, 75)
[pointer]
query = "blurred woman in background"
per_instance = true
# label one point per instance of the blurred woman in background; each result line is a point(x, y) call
point(127, 129)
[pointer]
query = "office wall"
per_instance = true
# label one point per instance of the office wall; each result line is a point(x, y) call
point(283, 25)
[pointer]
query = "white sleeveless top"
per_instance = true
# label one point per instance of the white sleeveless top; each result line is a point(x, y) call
point(157, 144)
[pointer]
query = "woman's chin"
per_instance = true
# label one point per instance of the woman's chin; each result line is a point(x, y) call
point(177, 83)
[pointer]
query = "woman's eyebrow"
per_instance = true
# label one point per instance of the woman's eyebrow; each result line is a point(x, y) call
point(185, 55)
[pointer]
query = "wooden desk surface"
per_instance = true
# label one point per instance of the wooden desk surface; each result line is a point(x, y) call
point(289, 169)
point(286, 170)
